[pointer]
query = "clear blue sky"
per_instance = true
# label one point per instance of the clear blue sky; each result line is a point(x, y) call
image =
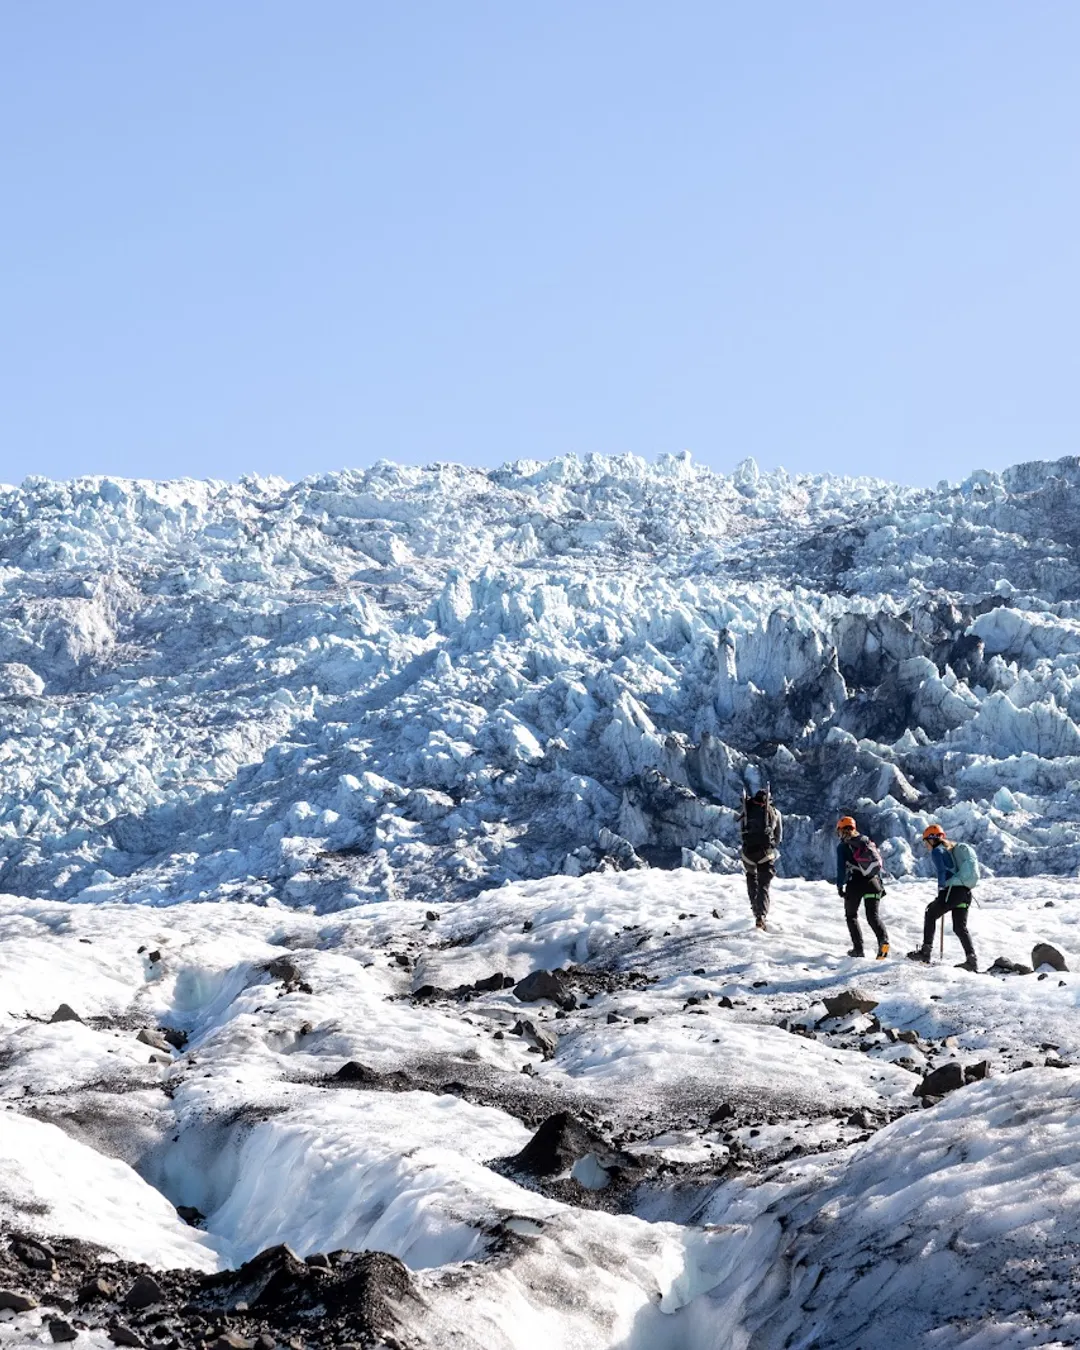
point(267, 236)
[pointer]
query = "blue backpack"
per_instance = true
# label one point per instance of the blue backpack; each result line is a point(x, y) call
point(967, 867)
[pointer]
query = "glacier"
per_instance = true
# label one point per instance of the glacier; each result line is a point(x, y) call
point(417, 683)
point(760, 1174)
point(298, 781)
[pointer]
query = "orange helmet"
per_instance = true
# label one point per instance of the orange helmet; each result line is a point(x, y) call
point(845, 823)
point(933, 832)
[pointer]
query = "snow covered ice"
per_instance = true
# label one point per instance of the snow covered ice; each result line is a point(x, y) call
point(295, 771)
point(790, 1220)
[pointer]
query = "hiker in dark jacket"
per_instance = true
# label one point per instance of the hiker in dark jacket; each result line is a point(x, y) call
point(957, 870)
point(762, 830)
point(858, 882)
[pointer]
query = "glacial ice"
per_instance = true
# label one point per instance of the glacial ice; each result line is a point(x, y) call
point(421, 682)
point(825, 1207)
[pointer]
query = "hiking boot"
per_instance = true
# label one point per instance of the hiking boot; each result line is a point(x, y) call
point(919, 954)
point(856, 951)
point(968, 964)
point(882, 951)
point(759, 922)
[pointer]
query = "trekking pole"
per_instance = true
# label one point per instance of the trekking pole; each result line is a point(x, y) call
point(941, 948)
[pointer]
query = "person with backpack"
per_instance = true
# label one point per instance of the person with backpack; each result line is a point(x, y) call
point(859, 882)
point(762, 831)
point(957, 870)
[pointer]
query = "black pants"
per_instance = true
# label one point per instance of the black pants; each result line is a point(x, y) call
point(866, 891)
point(956, 900)
point(758, 878)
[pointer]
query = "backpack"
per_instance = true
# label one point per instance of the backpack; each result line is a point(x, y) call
point(758, 832)
point(967, 867)
point(864, 856)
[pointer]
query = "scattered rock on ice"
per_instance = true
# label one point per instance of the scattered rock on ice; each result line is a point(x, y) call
point(362, 1292)
point(65, 1013)
point(538, 1037)
point(1003, 966)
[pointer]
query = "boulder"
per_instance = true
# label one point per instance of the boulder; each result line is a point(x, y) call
point(355, 1072)
point(65, 1013)
point(945, 1079)
point(60, 1330)
point(144, 1293)
point(13, 1302)
point(153, 1038)
point(120, 1334)
point(34, 1254)
point(545, 984)
point(95, 1289)
point(1042, 954)
point(491, 983)
point(850, 1001)
point(1003, 966)
point(560, 1142)
point(973, 1073)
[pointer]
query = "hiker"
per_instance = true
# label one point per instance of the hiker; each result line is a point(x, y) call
point(957, 870)
point(859, 882)
point(762, 831)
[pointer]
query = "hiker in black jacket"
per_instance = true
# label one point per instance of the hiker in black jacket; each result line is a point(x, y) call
point(858, 882)
point(762, 830)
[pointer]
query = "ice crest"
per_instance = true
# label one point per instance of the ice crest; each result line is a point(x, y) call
point(536, 660)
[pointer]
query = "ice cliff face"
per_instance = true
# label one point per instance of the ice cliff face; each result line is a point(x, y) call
point(416, 682)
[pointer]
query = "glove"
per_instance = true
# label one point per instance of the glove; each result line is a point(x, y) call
point(840, 892)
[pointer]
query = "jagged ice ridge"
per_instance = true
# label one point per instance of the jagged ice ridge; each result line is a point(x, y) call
point(416, 682)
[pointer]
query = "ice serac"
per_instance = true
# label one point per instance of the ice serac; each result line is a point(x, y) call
point(425, 681)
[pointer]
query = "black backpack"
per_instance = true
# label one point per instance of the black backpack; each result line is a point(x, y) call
point(758, 837)
point(864, 856)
